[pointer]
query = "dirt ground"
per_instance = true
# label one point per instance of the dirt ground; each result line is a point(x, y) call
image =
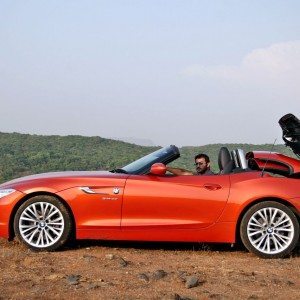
point(122, 270)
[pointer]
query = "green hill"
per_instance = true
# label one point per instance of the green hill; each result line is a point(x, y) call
point(24, 154)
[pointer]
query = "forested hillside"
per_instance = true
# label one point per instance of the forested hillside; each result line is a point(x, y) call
point(24, 154)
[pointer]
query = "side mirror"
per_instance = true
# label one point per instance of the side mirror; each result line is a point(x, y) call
point(158, 169)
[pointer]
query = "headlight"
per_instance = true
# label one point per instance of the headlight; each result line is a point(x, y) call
point(6, 192)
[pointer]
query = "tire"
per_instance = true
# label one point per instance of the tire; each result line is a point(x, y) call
point(270, 230)
point(43, 223)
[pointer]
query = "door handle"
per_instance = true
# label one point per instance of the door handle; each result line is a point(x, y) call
point(212, 186)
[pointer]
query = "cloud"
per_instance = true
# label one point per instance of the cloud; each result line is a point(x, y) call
point(278, 63)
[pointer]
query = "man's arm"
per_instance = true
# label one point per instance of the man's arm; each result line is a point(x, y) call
point(178, 171)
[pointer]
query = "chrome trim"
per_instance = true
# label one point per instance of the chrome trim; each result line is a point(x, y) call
point(241, 158)
point(88, 190)
point(234, 156)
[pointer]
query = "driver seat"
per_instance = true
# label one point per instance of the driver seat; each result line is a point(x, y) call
point(225, 161)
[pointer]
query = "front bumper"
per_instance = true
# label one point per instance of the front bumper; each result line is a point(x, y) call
point(7, 210)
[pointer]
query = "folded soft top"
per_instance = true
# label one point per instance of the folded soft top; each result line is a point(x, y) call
point(290, 125)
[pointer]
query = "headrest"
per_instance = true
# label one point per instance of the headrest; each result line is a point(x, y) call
point(225, 161)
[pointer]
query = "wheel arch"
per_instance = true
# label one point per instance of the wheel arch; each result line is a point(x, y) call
point(11, 232)
point(246, 208)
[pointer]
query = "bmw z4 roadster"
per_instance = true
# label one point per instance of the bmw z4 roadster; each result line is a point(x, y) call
point(255, 198)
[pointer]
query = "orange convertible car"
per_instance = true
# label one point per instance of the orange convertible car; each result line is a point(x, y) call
point(255, 198)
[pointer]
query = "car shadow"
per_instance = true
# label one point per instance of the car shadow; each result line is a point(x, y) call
point(155, 246)
point(166, 246)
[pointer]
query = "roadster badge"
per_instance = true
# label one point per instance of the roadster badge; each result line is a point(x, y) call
point(116, 190)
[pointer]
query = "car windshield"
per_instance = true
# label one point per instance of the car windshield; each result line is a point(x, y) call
point(143, 165)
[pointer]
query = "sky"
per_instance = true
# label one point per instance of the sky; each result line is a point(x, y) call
point(175, 72)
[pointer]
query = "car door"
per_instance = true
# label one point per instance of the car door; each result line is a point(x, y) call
point(96, 203)
point(173, 202)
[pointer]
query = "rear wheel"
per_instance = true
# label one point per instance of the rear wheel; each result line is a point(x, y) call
point(43, 223)
point(270, 230)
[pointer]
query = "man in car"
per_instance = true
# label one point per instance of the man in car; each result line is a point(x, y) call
point(202, 164)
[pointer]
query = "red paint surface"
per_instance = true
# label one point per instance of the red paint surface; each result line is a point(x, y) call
point(154, 208)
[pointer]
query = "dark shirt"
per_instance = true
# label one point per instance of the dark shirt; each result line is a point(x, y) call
point(207, 172)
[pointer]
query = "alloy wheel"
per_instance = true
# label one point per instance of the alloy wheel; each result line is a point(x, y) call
point(41, 224)
point(270, 230)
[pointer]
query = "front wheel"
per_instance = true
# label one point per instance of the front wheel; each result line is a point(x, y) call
point(43, 223)
point(270, 230)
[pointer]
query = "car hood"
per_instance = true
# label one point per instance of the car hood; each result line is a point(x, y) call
point(56, 181)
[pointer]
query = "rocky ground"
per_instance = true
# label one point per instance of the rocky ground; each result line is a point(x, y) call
point(115, 270)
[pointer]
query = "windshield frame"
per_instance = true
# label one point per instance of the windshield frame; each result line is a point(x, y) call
point(142, 165)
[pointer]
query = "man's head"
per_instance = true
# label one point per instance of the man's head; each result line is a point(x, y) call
point(202, 163)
